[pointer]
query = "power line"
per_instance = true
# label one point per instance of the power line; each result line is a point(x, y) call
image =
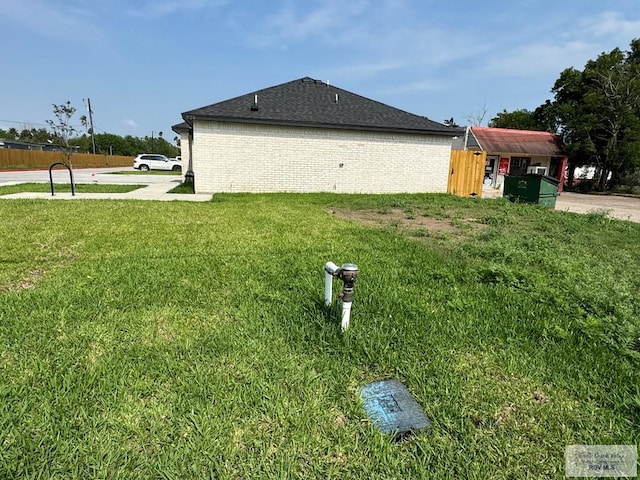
point(23, 123)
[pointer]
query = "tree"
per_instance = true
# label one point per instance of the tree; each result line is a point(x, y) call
point(108, 143)
point(63, 131)
point(64, 136)
point(85, 123)
point(597, 112)
point(522, 119)
point(32, 135)
point(476, 119)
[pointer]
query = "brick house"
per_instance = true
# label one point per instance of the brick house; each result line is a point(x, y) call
point(308, 136)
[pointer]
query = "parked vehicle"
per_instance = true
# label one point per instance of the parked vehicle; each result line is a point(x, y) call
point(152, 161)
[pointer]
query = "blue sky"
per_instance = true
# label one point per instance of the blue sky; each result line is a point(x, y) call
point(142, 63)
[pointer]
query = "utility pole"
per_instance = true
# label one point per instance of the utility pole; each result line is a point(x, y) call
point(93, 139)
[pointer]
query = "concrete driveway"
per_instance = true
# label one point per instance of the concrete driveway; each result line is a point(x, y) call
point(623, 208)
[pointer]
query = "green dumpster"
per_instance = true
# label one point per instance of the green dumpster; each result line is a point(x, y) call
point(538, 189)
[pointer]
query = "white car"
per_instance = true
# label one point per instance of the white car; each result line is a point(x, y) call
point(152, 161)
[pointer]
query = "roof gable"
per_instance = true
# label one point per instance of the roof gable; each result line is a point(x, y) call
point(309, 102)
point(523, 142)
point(181, 127)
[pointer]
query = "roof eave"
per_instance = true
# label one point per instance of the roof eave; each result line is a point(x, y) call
point(526, 154)
point(181, 128)
point(189, 118)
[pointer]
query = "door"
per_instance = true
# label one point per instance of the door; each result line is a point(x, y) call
point(466, 173)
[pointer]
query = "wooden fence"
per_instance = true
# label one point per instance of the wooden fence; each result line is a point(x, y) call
point(466, 173)
point(14, 158)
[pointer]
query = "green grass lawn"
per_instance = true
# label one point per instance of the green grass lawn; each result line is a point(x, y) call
point(65, 187)
point(175, 340)
point(184, 187)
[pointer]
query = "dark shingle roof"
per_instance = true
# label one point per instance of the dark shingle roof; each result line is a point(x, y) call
point(309, 102)
point(181, 127)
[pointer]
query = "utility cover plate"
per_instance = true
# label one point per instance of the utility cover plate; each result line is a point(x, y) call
point(392, 409)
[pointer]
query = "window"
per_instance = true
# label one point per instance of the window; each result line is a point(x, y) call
point(519, 165)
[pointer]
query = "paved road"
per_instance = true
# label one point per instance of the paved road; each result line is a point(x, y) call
point(83, 175)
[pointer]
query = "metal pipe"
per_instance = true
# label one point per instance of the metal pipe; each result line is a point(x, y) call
point(348, 273)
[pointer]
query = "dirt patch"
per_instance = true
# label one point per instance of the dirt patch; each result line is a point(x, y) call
point(27, 282)
point(505, 414)
point(395, 216)
point(539, 397)
point(408, 222)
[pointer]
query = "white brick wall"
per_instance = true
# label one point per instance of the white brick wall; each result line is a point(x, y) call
point(233, 157)
point(184, 153)
point(184, 150)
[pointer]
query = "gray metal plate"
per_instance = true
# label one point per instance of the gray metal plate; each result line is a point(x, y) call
point(392, 409)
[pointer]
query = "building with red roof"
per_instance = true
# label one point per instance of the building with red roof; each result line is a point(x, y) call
point(516, 152)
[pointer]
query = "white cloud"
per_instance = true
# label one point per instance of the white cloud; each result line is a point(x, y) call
point(365, 70)
point(537, 59)
point(328, 18)
point(612, 25)
point(387, 37)
point(131, 123)
point(49, 20)
point(412, 87)
point(331, 23)
point(169, 7)
point(381, 38)
point(577, 43)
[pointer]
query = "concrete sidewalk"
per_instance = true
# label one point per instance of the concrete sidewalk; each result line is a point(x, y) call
point(153, 191)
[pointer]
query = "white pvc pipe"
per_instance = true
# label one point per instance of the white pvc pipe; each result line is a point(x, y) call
point(328, 282)
point(346, 314)
point(329, 269)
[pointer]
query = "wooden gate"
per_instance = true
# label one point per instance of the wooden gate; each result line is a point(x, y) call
point(466, 173)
